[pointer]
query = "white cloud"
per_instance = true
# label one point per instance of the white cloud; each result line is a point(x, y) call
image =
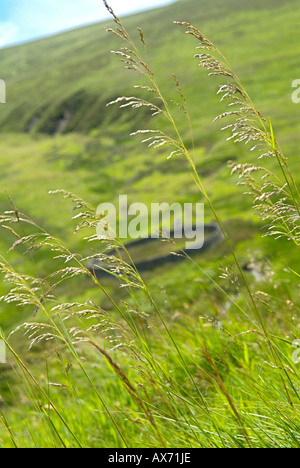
point(8, 32)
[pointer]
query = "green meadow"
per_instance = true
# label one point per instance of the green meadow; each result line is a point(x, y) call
point(197, 353)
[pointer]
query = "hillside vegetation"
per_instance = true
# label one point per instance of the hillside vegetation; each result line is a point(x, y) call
point(58, 133)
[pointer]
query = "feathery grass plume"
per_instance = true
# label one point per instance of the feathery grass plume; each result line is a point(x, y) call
point(114, 265)
point(134, 59)
point(65, 323)
point(121, 335)
point(249, 127)
point(167, 387)
point(157, 138)
point(276, 196)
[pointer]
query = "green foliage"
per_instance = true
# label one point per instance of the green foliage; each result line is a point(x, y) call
point(197, 355)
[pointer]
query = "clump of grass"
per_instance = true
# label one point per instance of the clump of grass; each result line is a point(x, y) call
point(249, 127)
point(133, 376)
point(276, 197)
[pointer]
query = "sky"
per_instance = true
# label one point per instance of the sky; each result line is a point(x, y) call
point(25, 20)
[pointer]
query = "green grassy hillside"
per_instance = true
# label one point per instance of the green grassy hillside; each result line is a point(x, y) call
point(60, 84)
point(56, 132)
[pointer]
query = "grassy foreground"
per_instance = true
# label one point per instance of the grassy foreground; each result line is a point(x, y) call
point(200, 355)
